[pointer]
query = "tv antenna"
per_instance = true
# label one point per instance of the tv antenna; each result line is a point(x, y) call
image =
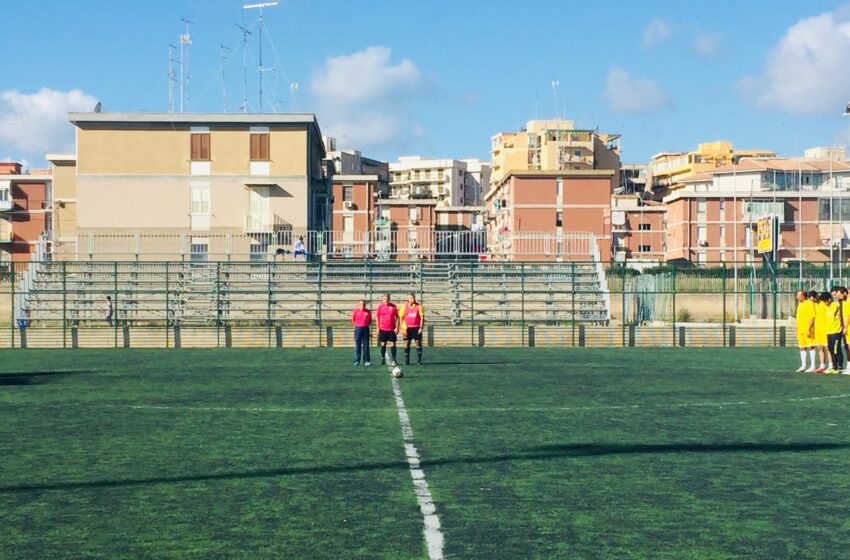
point(171, 77)
point(245, 34)
point(556, 84)
point(260, 6)
point(223, 55)
point(185, 43)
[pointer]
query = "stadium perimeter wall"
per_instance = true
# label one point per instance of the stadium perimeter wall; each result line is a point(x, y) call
point(682, 335)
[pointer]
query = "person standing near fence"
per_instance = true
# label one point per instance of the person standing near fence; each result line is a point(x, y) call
point(805, 321)
point(412, 317)
point(388, 322)
point(108, 310)
point(361, 317)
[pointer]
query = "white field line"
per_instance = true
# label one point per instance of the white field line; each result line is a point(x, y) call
point(272, 409)
point(431, 529)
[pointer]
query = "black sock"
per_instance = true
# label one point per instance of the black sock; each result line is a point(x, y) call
point(383, 354)
point(393, 351)
point(407, 356)
point(418, 355)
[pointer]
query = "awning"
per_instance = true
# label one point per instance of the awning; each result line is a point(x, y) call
point(832, 234)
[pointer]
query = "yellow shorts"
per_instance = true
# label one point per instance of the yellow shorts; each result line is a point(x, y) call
point(805, 341)
point(820, 339)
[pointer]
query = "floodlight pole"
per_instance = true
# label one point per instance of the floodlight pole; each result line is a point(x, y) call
point(260, 68)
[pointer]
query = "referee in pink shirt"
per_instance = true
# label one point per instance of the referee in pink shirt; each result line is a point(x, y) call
point(361, 317)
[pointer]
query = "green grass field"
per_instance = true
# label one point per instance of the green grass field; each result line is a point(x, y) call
point(529, 453)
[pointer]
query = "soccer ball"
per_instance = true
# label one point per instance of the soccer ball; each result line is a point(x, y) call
point(397, 372)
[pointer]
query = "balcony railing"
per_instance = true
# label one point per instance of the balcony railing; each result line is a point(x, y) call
point(265, 223)
point(5, 232)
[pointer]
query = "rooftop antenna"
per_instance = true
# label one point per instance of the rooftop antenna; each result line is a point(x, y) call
point(171, 77)
point(222, 55)
point(245, 34)
point(293, 89)
point(185, 43)
point(260, 68)
point(555, 85)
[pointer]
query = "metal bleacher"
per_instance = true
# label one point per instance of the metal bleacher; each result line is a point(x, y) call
point(298, 292)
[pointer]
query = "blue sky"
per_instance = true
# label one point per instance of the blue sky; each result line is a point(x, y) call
point(439, 78)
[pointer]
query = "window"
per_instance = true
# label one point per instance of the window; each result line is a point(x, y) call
point(559, 219)
point(411, 237)
point(722, 232)
point(836, 210)
point(577, 153)
point(200, 146)
point(645, 249)
point(200, 199)
point(701, 206)
point(645, 227)
point(347, 193)
point(702, 234)
point(413, 213)
point(722, 205)
point(559, 187)
point(260, 146)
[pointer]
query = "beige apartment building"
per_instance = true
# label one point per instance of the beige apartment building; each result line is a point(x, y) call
point(457, 182)
point(667, 170)
point(712, 217)
point(167, 185)
point(553, 145)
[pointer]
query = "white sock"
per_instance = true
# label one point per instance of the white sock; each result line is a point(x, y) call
point(802, 358)
point(812, 357)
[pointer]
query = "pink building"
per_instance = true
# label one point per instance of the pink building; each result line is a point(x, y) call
point(24, 211)
point(551, 215)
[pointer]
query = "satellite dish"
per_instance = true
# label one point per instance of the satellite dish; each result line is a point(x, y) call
point(99, 107)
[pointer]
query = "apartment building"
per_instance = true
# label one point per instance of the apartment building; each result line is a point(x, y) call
point(477, 181)
point(712, 217)
point(557, 215)
point(440, 179)
point(553, 145)
point(24, 210)
point(668, 169)
point(358, 188)
point(637, 230)
point(64, 198)
point(204, 183)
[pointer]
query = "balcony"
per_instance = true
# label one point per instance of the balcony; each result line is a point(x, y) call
point(265, 223)
point(5, 203)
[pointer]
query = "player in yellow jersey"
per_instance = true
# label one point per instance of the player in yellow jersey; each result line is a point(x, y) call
point(834, 333)
point(821, 340)
point(845, 318)
point(805, 320)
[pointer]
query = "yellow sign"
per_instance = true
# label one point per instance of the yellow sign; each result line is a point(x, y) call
point(764, 234)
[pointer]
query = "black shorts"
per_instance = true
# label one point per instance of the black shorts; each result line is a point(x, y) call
point(413, 333)
point(386, 336)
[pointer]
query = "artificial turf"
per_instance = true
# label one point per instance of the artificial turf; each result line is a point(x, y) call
point(529, 453)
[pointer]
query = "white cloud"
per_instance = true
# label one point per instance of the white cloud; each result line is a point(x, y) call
point(627, 94)
point(707, 45)
point(362, 99)
point(32, 124)
point(655, 33)
point(807, 71)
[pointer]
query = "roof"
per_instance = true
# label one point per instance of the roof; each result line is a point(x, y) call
point(782, 164)
point(194, 118)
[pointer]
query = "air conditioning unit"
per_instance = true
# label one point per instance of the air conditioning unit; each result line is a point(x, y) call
point(703, 243)
point(348, 205)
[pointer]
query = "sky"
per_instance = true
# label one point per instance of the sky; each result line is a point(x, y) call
point(439, 78)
